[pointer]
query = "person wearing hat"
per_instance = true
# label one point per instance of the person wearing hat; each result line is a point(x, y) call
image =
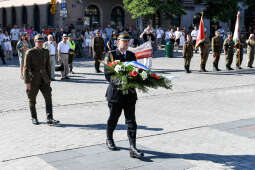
point(63, 54)
point(98, 50)
point(250, 50)
point(37, 75)
point(229, 51)
point(117, 101)
point(216, 50)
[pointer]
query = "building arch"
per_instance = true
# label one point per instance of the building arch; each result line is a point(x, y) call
point(92, 16)
point(4, 17)
point(118, 16)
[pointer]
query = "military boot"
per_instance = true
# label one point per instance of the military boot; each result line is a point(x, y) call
point(33, 114)
point(49, 114)
point(134, 152)
point(109, 141)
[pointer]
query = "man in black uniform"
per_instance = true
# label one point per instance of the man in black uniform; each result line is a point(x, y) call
point(118, 102)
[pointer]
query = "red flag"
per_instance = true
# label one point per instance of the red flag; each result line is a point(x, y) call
point(201, 34)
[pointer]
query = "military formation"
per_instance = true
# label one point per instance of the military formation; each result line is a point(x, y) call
point(217, 45)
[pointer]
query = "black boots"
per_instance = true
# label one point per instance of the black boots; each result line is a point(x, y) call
point(97, 66)
point(215, 67)
point(111, 145)
point(202, 68)
point(134, 152)
point(228, 68)
point(187, 69)
point(50, 120)
point(33, 114)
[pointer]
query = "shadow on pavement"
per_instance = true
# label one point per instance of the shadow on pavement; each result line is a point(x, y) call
point(92, 81)
point(237, 162)
point(103, 127)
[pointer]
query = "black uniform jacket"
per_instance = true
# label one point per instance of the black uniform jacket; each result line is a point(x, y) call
point(113, 94)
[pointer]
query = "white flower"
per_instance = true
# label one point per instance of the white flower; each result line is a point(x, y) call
point(144, 75)
point(118, 68)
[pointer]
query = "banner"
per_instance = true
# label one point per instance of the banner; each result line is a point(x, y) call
point(142, 51)
point(201, 33)
point(237, 29)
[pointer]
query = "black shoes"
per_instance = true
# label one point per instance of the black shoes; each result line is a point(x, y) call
point(134, 153)
point(52, 122)
point(111, 145)
point(35, 121)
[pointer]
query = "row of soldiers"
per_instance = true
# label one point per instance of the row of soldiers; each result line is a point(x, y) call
point(217, 45)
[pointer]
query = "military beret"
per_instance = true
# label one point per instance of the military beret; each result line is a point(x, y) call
point(38, 37)
point(124, 36)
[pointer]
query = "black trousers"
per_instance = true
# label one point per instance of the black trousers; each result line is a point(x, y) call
point(2, 58)
point(115, 112)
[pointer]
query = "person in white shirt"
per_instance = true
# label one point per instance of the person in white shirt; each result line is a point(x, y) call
point(194, 35)
point(63, 52)
point(15, 35)
point(1, 38)
point(88, 41)
point(172, 36)
point(52, 47)
point(159, 33)
point(178, 35)
point(7, 46)
point(167, 36)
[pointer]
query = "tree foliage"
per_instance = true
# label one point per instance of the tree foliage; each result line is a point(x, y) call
point(139, 8)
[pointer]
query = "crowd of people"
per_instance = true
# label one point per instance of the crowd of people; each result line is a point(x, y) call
point(16, 41)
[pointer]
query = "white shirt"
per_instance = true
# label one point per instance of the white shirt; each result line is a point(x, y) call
point(178, 34)
point(194, 34)
point(52, 48)
point(159, 33)
point(15, 34)
point(63, 47)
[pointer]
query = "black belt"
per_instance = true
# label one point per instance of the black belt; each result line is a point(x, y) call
point(53, 55)
point(64, 53)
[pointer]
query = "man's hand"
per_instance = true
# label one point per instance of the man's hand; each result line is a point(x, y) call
point(28, 86)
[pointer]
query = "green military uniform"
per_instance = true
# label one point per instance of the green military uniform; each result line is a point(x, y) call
point(187, 54)
point(216, 49)
point(37, 73)
point(98, 50)
point(250, 51)
point(229, 52)
point(204, 53)
point(239, 53)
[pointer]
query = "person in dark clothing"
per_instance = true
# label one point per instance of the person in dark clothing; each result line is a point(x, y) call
point(2, 55)
point(117, 101)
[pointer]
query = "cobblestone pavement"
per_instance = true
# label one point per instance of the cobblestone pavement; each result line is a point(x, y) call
point(206, 122)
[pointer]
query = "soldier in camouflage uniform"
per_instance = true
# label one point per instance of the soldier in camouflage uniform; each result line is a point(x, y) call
point(229, 51)
point(250, 50)
point(216, 50)
point(204, 47)
point(239, 52)
point(187, 53)
point(37, 76)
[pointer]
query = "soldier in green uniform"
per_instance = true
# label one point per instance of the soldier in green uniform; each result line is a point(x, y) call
point(229, 51)
point(239, 52)
point(98, 50)
point(216, 50)
point(187, 53)
point(250, 50)
point(37, 76)
point(204, 47)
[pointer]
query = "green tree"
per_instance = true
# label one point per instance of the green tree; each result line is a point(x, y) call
point(139, 8)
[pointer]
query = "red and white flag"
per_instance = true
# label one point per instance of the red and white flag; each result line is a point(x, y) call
point(201, 33)
point(142, 51)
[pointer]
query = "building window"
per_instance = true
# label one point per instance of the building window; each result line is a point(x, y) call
point(14, 21)
point(4, 17)
point(36, 18)
point(50, 17)
point(175, 21)
point(24, 15)
point(117, 17)
point(92, 17)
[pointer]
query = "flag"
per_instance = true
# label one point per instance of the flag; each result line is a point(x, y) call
point(237, 29)
point(142, 51)
point(201, 32)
